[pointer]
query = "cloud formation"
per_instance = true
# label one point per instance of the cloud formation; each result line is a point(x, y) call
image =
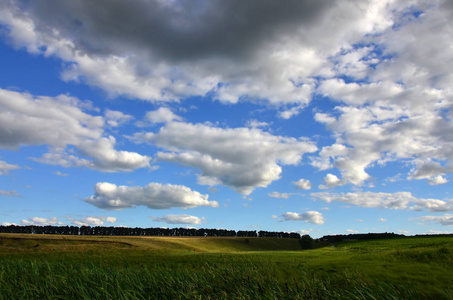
point(153, 195)
point(264, 51)
point(241, 158)
point(446, 219)
point(312, 217)
point(12, 193)
point(161, 115)
point(167, 50)
point(369, 80)
point(396, 104)
point(303, 184)
point(279, 195)
point(41, 221)
point(116, 118)
point(6, 167)
point(92, 221)
point(331, 181)
point(178, 219)
point(60, 122)
point(399, 200)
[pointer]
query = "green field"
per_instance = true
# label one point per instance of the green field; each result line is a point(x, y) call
point(82, 267)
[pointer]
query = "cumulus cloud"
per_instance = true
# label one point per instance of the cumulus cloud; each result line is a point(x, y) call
point(107, 158)
point(436, 180)
point(161, 115)
point(303, 184)
point(331, 181)
point(312, 217)
point(446, 219)
point(399, 200)
point(60, 122)
point(178, 219)
point(41, 221)
point(241, 158)
point(116, 118)
point(154, 196)
point(391, 108)
point(6, 167)
point(167, 50)
point(397, 102)
point(92, 221)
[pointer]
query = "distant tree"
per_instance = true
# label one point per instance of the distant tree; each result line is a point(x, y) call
point(306, 242)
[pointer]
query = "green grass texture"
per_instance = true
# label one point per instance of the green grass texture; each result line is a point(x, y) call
point(59, 267)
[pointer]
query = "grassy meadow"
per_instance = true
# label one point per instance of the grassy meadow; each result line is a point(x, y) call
point(87, 267)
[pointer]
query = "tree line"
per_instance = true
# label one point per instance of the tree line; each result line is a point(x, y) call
point(137, 231)
point(359, 237)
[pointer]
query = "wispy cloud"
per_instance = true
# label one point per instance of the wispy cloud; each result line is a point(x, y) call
point(178, 219)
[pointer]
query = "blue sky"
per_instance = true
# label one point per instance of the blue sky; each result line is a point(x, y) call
point(310, 116)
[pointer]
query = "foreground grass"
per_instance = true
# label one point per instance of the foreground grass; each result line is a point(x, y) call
point(224, 268)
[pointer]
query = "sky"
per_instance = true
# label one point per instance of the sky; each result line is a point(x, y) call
point(317, 117)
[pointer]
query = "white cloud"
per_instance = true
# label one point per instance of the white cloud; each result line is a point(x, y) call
point(44, 120)
point(289, 113)
point(382, 220)
point(393, 111)
point(161, 115)
point(59, 123)
point(41, 221)
point(399, 200)
point(312, 217)
point(265, 51)
point(257, 124)
point(403, 232)
point(446, 219)
point(241, 158)
point(436, 180)
point(400, 109)
point(438, 232)
point(279, 195)
point(305, 231)
point(92, 221)
point(302, 184)
point(154, 196)
point(331, 181)
point(6, 167)
point(178, 219)
point(116, 118)
point(107, 159)
point(8, 224)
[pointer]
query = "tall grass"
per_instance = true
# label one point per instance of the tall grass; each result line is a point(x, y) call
point(31, 279)
point(141, 269)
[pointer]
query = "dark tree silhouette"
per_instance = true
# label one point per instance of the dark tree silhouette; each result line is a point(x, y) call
point(127, 231)
point(306, 242)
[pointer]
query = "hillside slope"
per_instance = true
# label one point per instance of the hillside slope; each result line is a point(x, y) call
point(10, 243)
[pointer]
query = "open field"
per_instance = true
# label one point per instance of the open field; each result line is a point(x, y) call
point(81, 267)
